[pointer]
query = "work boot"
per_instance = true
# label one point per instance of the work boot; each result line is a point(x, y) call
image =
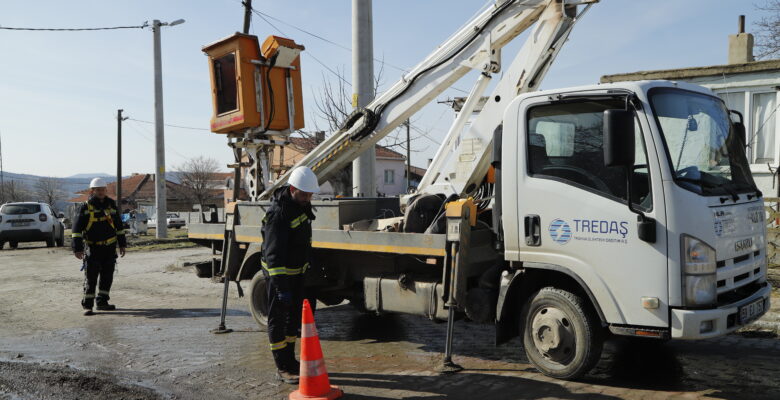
point(88, 311)
point(105, 307)
point(286, 377)
point(289, 362)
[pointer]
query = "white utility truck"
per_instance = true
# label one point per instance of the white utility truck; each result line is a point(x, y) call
point(562, 216)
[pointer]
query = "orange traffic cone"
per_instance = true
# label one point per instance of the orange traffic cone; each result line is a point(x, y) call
point(314, 383)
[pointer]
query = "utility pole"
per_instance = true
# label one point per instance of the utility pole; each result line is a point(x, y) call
point(247, 15)
point(119, 120)
point(363, 168)
point(2, 181)
point(408, 159)
point(159, 134)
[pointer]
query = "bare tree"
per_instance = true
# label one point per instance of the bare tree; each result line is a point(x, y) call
point(334, 105)
point(49, 190)
point(198, 177)
point(15, 191)
point(768, 33)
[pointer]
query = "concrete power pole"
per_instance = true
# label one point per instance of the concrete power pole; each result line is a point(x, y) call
point(363, 168)
point(159, 133)
point(159, 139)
point(2, 181)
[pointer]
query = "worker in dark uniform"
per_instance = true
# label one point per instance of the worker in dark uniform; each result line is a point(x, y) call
point(98, 225)
point(286, 257)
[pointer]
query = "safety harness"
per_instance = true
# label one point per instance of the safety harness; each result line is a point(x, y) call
point(91, 210)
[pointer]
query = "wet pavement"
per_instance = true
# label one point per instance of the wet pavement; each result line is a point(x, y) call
point(158, 345)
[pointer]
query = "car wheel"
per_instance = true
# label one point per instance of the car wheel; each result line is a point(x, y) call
point(13, 245)
point(2, 244)
point(50, 241)
point(61, 239)
point(562, 336)
point(258, 298)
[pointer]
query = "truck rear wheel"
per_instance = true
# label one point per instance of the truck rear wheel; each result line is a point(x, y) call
point(258, 298)
point(561, 335)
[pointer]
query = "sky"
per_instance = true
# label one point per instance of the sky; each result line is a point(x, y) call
point(60, 91)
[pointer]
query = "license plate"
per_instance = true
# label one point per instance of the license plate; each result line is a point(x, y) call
point(751, 311)
point(19, 223)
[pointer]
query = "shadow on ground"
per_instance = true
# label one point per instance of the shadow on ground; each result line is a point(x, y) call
point(173, 312)
point(629, 364)
point(458, 386)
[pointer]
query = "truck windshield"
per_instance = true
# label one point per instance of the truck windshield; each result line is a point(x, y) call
point(705, 152)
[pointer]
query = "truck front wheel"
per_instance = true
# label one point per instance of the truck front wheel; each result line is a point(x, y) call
point(561, 335)
point(258, 298)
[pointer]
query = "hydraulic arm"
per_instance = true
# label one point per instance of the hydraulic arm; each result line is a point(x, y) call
point(462, 162)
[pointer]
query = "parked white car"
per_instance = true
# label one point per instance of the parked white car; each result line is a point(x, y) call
point(30, 222)
point(173, 221)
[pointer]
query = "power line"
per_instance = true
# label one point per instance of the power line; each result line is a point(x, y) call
point(138, 131)
point(308, 53)
point(260, 13)
point(75, 29)
point(171, 125)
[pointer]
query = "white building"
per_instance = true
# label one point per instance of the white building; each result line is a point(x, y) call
point(747, 86)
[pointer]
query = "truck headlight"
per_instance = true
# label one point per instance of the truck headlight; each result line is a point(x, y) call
point(699, 272)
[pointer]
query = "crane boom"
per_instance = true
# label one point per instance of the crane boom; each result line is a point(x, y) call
point(477, 46)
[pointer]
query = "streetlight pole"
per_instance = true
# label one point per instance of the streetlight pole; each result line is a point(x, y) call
point(119, 120)
point(159, 171)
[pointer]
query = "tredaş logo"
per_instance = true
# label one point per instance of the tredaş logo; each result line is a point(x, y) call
point(589, 230)
point(560, 231)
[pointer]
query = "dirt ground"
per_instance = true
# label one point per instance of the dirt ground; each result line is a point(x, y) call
point(157, 344)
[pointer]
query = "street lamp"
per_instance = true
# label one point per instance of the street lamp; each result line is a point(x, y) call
point(159, 134)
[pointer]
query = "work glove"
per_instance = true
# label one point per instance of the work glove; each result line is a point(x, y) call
point(285, 297)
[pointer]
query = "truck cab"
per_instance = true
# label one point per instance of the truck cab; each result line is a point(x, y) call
point(655, 216)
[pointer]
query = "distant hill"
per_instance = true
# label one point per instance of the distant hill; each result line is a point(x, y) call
point(73, 183)
point(70, 185)
point(90, 176)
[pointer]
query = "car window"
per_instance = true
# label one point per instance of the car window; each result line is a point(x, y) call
point(20, 209)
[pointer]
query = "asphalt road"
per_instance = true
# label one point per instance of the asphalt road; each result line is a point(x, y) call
point(158, 345)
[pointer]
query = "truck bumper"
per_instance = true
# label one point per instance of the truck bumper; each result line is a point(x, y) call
point(695, 324)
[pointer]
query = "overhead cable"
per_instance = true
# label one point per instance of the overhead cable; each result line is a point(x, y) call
point(146, 24)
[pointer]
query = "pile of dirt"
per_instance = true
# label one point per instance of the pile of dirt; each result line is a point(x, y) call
point(19, 380)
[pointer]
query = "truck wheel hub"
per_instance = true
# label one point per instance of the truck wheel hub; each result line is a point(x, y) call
point(553, 334)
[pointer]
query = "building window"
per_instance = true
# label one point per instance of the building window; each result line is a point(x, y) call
point(762, 138)
point(389, 177)
point(758, 108)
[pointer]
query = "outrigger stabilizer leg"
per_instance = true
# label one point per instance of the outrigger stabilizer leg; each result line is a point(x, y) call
point(222, 328)
point(448, 366)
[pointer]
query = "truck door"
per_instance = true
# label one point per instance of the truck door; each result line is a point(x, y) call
point(573, 213)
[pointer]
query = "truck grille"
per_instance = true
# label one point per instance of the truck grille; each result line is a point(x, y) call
point(739, 271)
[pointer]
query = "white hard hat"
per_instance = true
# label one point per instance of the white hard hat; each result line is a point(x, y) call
point(302, 178)
point(97, 183)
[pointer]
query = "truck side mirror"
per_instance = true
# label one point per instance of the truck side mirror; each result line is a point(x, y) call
point(618, 138)
point(739, 130)
point(739, 127)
